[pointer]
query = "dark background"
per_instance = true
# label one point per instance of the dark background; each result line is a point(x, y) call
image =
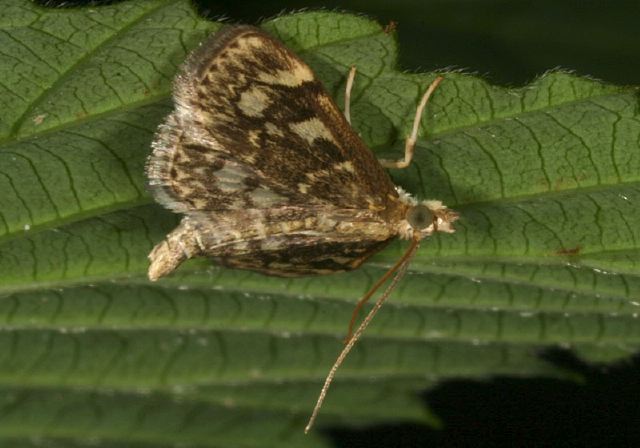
point(508, 42)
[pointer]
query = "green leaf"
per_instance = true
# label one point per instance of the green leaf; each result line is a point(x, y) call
point(545, 178)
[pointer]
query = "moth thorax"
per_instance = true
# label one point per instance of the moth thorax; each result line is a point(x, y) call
point(420, 217)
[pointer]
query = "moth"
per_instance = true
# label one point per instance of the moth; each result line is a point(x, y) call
point(270, 176)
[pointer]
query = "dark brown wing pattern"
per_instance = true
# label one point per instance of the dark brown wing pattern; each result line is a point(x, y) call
point(306, 256)
point(254, 128)
point(268, 172)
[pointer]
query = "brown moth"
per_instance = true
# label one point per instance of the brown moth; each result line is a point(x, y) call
point(270, 176)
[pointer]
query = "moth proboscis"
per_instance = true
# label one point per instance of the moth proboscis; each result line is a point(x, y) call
point(270, 176)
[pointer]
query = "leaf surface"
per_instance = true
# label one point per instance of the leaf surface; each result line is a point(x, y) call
point(545, 178)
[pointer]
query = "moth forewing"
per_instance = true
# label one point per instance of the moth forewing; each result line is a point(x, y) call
point(269, 174)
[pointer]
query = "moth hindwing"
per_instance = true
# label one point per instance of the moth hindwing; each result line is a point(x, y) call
point(268, 172)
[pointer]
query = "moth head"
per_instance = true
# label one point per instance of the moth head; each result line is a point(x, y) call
point(427, 217)
point(424, 218)
point(420, 217)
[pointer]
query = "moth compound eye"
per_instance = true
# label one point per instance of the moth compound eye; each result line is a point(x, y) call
point(420, 217)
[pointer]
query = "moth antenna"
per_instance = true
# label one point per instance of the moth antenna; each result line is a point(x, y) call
point(354, 316)
point(401, 271)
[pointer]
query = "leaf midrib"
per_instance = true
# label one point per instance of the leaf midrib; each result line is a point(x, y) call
point(424, 270)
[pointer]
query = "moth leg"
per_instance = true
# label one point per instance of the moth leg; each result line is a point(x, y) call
point(180, 245)
point(347, 93)
point(410, 143)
